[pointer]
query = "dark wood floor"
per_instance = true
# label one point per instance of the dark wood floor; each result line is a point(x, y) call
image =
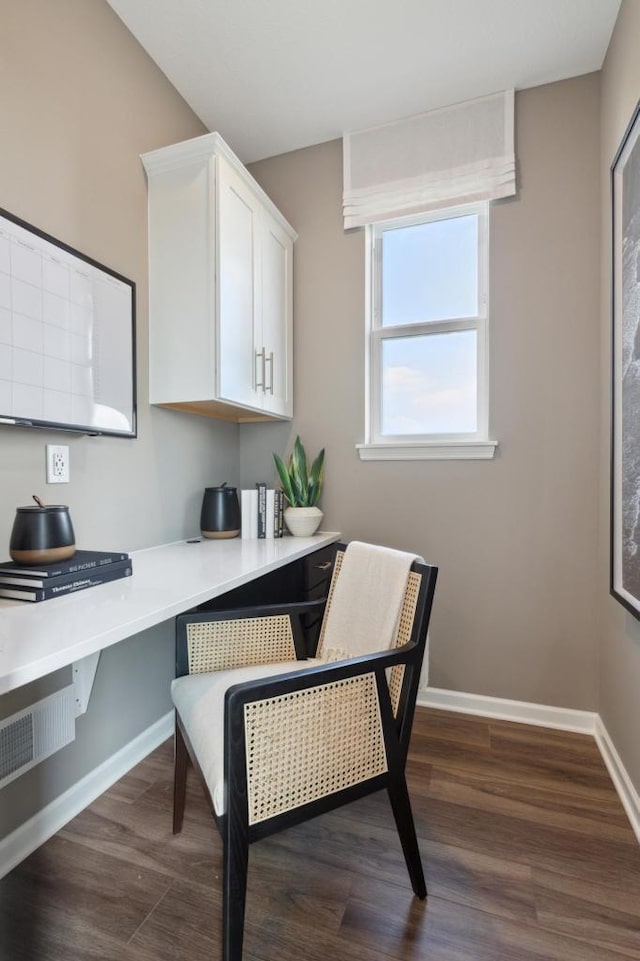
point(527, 852)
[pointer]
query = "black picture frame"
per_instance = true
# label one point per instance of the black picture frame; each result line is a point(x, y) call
point(67, 355)
point(625, 375)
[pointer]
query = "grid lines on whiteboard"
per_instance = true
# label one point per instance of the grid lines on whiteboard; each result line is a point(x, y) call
point(56, 313)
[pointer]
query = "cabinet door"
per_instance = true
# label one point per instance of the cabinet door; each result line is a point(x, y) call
point(276, 316)
point(240, 366)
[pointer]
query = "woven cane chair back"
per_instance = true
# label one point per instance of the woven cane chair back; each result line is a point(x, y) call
point(222, 645)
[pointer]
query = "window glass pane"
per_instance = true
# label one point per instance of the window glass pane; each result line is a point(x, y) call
point(430, 271)
point(429, 384)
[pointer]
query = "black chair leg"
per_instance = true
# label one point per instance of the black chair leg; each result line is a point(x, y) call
point(234, 892)
point(401, 806)
point(180, 764)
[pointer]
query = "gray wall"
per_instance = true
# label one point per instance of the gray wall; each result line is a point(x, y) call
point(620, 632)
point(515, 612)
point(79, 102)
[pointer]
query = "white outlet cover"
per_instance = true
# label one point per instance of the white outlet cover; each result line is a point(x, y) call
point(57, 464)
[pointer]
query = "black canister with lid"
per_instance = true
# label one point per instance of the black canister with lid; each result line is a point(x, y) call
point(220, 515)
point(42, 535)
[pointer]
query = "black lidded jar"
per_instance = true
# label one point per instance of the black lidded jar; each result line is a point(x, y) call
point(220, 515)
point(42, 535)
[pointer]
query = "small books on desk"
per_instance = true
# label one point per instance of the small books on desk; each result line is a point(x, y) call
point(262, 512)
point(85, 569)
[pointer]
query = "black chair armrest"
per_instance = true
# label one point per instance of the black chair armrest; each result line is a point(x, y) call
point(301, 678)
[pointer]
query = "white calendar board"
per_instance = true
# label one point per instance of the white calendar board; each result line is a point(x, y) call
point(67, 337)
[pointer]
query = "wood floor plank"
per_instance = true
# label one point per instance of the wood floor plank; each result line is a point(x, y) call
point(439, 930)
point(595, 858)
point(451, 727)
point(185, 926)
point(141, 835)
point(504, 762)
point(349, 844)
point(303, 889)
point(480, 881)
point(527, 851)
point(580, 813)
point(588, 911)
point(143, 776)
point(65, 892)
point(279, 939)
point(571, 762)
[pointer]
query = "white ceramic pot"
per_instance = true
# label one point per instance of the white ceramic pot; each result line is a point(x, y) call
point(303, 521)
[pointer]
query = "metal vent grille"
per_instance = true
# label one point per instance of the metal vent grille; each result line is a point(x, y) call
point(16, 745)
point(31, 735)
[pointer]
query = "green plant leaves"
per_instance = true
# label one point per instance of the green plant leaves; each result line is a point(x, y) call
point(283, 474)
point(301, 487)
point(316, 478)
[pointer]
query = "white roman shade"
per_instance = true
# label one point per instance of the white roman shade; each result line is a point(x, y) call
point(455, 155)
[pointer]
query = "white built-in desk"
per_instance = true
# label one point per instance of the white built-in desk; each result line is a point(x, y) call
point(36, 639)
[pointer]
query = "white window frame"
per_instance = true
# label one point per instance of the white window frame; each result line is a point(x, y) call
point(458, 446)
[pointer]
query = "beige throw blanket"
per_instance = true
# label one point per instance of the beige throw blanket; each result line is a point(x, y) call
point(367, 601)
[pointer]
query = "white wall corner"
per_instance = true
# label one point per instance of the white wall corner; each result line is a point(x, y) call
point(622, 782)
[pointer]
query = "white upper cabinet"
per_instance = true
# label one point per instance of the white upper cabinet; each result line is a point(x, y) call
point(221, 282)
point(276, 271)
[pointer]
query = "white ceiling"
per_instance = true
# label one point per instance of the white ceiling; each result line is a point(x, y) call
point(275, 75)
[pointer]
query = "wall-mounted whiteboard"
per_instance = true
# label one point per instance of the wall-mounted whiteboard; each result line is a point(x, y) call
point(67, 337)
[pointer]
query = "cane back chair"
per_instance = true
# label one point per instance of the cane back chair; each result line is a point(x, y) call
point(276, 743)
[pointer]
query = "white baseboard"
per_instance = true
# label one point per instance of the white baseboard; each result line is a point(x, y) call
point(38, 829)
point(523, 712)
point(622, 782)
point(564, 719)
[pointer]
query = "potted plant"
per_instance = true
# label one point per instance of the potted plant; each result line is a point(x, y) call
point(302, 489)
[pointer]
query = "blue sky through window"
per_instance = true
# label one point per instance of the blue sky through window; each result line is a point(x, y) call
point(429, 384)
point(430, 271)
point(429, 274)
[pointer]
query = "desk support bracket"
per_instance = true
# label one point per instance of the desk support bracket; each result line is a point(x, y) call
point(84, 674)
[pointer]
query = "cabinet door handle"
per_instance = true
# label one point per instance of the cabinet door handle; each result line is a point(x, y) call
point(269, 360)
point(324, 567)
point(260, 383)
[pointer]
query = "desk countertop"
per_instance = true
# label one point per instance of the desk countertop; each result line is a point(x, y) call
point(36, 639)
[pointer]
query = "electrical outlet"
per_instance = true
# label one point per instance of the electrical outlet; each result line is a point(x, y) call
point(57, 464)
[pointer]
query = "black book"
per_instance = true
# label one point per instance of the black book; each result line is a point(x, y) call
point(81, 561)
point(78, 582)
point(279, 512)
point(276, 513)
point(262, 509)
point(28, 583)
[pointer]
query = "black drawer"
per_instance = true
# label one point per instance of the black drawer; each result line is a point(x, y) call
point(306, 579)
point(318, 568)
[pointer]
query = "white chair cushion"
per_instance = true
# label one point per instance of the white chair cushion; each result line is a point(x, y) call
point(199, 700)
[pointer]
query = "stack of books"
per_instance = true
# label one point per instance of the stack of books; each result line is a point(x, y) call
point(262, 512)
point(85, 569)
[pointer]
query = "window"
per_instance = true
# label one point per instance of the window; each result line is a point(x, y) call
point(427, 360)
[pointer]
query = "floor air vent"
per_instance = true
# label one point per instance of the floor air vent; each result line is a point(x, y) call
point(31, 735)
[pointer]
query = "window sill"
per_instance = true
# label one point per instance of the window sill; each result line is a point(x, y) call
point(430, 450)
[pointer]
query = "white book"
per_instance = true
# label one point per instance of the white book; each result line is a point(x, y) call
point(249, 513)
point(271, 500)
